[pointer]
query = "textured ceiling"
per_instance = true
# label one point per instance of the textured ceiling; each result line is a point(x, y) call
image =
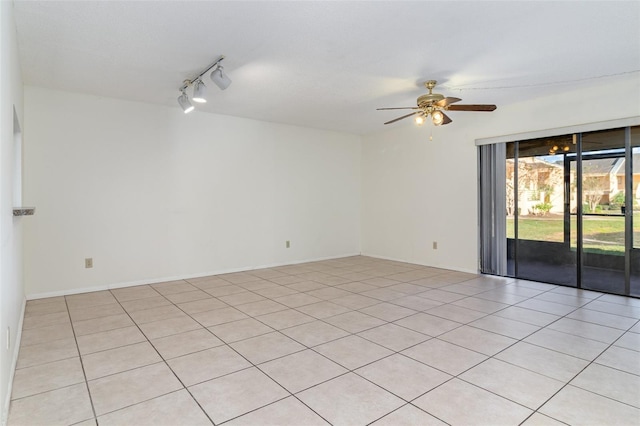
point(327, 64)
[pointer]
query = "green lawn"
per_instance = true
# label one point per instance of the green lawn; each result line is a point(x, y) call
point(601, 234)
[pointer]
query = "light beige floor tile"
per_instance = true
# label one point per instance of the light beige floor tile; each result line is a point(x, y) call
point(90, 422)
point(45, 306)
point(46, 377)
point(356, 287)
point(176, 408)
point(286, 412)
point(456, 313)
point(46, 320)
point(188, 296)
point(384, 294)
point(296, 300)
point(586, 330)
point(238, 277)
point(544, 361)
point(350, 400)
point(323, 310)
point(602, 318)
point(285, 319)
point(306, 286)
point(173, 287)
point(620, 359)
point(612, 383)
point(506, 327)
point(36, 336)
point(109, 339)
point(121, 390)
point(100, 364)
point(529, 316)
point(328, 293)
point(301, 370)
point(614, 308)
point(202, 305)
point(354, 322)
point(273, 292)
point(478, 340)
point(86, 300)
point(156, 314)
point(442, 295)
point(517, 384)
point(563, 299)
point(239, 330)
point(226, 290)
point(314, 333)
point(146, 303)
point(575, 406)
point(538, 419)
point(241, 298)
point(134, 293)
point(352, 352)
point(98, 325)
point(81, 314)
point(380, 281)
point(218, 316)
point(428, 324)
point(262, 307)
point(408, 415)
point(162, 328)
point(566, 343)
point(267, 347)
point(629, 341)
point(482, 305)
point(445, 356)
point(394, 337)
point(185, 343)
point(387, 311)
point(416, 303)
point(235, 394)
point(403, 376)
point(355, 301)
point(258, 285)
point(205, 365)
point(47, 352)
point(66, 406)
point(287, 279)
point(480, 406)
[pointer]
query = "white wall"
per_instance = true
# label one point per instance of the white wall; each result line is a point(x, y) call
point(152, 194)
point(416, 191)
point(11, 285)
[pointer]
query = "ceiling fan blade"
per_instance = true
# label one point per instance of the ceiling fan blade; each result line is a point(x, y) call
point(446, 119)
point(383, 109)
point(403, 117)
point(471, 107)
point(446, 101)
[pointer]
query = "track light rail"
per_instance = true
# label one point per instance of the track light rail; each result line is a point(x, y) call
point(188, 83)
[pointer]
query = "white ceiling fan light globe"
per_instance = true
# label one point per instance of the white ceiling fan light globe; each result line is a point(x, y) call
point(437, 117)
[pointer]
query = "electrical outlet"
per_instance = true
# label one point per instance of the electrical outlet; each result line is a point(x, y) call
point(288, 244)
point(88, 262)
point(435, 245)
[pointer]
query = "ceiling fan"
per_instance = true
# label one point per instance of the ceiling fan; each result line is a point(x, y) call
point(434, 105)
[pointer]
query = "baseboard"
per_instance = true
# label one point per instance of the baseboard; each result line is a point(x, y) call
point(178, 277)
point(448, 268)
point(14, 362)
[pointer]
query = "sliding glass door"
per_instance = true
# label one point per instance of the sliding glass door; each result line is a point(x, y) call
point(571, 208)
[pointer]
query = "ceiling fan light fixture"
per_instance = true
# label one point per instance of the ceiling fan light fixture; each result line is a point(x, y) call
point(199, 91)
point(219, 77)
point(419, 120)
point(437, 117)
point(183, 100)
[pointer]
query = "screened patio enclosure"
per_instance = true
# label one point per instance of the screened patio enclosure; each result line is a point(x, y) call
point(563, 209)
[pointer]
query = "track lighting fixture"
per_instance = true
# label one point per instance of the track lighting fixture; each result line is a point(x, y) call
point(199, 90)
point(183, 100)
point(218, 76)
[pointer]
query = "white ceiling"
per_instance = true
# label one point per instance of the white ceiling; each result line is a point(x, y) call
point(327, 64)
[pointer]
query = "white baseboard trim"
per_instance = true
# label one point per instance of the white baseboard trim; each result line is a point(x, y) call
point(180, 277)
point(448, 268)
point(14, 362)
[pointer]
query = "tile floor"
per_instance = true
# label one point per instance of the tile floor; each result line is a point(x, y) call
point(351, 341)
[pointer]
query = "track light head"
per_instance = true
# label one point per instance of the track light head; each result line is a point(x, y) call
point(183, 100)
point(220, 78)
point(199, 91)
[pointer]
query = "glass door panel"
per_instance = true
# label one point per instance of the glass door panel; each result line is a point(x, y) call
point(634, 192)
point(603, 211)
